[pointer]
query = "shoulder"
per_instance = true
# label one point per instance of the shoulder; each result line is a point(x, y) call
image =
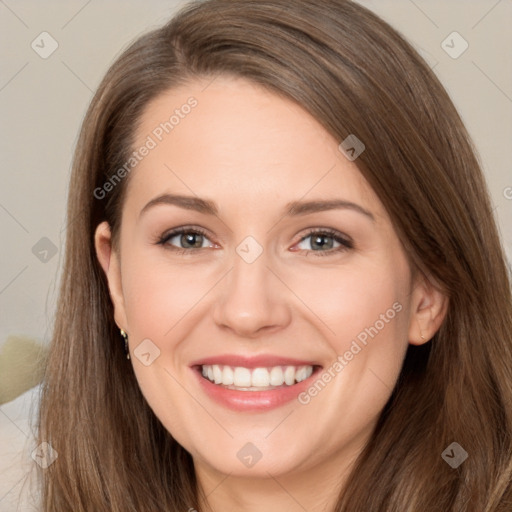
point(18, 492)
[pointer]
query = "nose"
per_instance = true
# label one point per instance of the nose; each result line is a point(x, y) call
point(251, 299)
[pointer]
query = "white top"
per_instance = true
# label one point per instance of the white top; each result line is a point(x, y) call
point(18, 490)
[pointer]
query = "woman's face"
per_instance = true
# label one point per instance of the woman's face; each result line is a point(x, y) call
point(288, 268)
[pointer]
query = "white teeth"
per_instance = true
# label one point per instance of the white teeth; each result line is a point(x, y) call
point(217, 374)
point(240, 377)
point(303, 373)
point(289, 375)
point(276, 376)
point(260, 377)
point(227, 376)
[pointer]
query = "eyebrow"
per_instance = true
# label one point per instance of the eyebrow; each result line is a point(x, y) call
point(292, 209)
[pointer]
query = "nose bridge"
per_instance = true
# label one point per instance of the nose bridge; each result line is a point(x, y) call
point(251, 298)
point(250, 268)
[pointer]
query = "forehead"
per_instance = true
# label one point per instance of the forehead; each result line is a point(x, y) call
point(231, 138)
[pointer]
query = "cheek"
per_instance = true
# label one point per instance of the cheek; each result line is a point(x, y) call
point(361, 311)
point(355, 311)
point(363, 300)
point(363, 314)
point(355, 300)
point(159, 303)
point(159, 294)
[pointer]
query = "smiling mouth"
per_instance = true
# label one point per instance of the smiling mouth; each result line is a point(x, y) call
point(240, 378)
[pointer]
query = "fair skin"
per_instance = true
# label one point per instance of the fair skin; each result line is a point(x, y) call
point(252, 152)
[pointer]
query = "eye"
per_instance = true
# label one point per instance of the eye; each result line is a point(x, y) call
point(323, 242)
point(186, 239)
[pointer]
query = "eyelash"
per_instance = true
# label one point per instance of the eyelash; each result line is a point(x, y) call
point(346, 244)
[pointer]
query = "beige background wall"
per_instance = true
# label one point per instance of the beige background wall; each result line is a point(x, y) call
point(42, 102)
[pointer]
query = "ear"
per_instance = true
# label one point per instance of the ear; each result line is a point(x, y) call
point(109, 261)
point(428, 310)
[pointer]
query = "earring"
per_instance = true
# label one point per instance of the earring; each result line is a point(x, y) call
point(125, 336)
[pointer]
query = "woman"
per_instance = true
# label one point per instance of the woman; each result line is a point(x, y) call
point(204, 356)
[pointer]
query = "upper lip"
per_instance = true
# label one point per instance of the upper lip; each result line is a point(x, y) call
point(259, 361)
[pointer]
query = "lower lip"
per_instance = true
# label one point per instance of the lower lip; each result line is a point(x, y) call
point(253, 400)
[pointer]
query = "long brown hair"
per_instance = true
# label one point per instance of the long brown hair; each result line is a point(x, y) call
point(355, 75)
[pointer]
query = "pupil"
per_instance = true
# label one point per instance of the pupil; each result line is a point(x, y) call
point(320, 244)
point(190, 238)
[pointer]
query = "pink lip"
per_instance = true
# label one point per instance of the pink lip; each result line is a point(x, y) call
point(261, 361)
point(253, 401)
